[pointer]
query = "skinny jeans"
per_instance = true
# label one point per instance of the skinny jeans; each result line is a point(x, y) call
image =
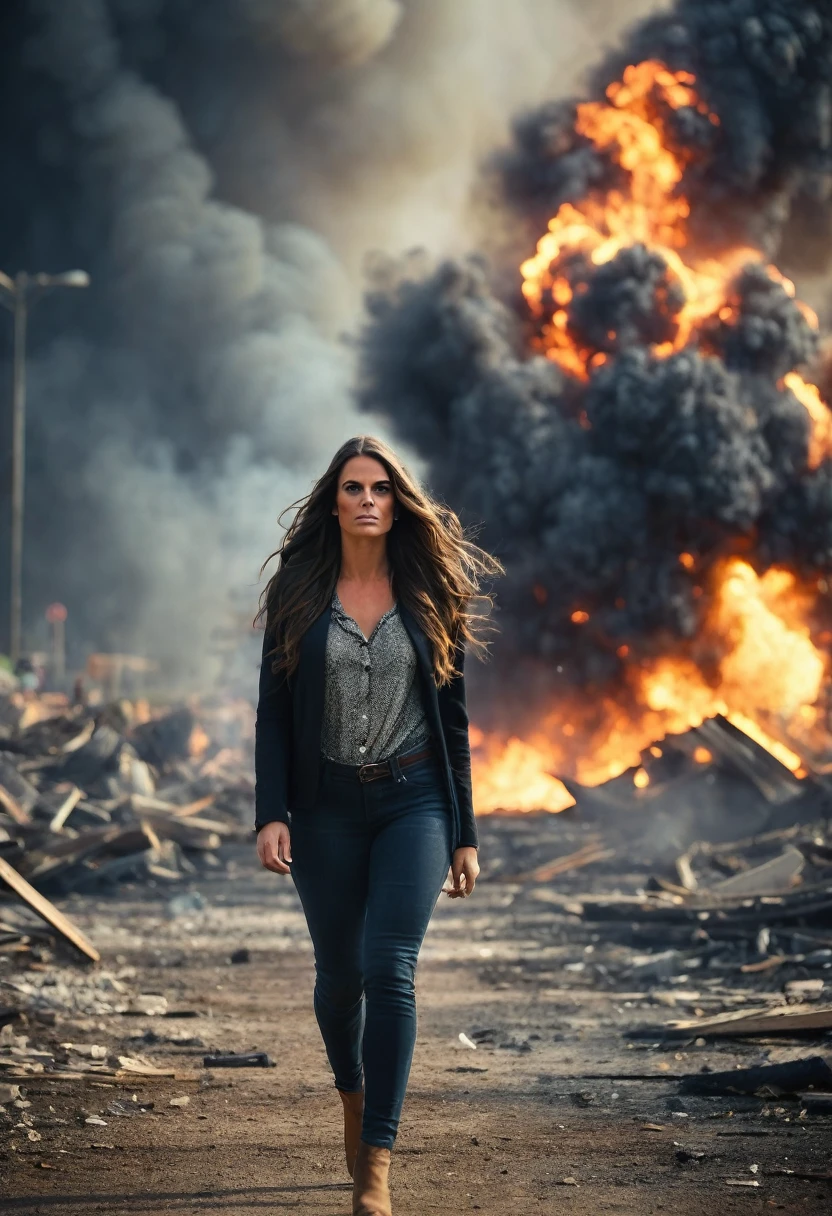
point(369, 862)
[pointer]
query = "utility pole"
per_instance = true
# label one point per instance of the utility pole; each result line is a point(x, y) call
point(18, 295)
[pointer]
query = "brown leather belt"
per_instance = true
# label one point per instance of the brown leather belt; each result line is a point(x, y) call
point(372, 772)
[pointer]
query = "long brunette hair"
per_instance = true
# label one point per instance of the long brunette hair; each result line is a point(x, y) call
point(436, 569)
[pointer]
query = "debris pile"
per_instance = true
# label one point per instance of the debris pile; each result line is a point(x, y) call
point(94, 799)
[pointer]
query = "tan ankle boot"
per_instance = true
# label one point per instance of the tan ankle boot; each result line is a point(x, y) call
point(353, 1116)
point(370, 1192)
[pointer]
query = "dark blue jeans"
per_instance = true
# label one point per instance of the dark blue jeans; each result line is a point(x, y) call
point(369, 861)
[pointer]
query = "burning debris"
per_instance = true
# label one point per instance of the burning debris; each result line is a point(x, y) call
point(631, 413)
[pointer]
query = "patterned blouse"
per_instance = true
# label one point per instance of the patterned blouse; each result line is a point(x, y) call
point(373, 704)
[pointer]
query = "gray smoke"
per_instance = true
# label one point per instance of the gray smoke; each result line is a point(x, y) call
point(346, 32)
point(219, 336)
point(221, 169)
point(590, 491)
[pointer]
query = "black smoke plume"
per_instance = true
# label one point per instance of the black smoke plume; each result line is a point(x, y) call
point(590, 492)
point(220, 167)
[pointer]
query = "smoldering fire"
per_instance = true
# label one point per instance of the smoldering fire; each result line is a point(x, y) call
point(629, 415)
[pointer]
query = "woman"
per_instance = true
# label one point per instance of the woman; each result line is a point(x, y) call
point(362, 742)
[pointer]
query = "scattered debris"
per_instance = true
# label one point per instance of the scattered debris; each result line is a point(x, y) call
point(816, 1104)
point(770, 878)
point(254, 1059)
point(143, 1068)
point(804, 990)
point(783, 1019)
point(685, 1155)
point(189, 901)
point(592, 851)
point(48, 911)
point(769, 1080)
point(90, 799)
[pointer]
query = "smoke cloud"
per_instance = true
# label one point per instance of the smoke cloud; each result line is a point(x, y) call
point(221, 170)
point(346, 32)
point(590, 490)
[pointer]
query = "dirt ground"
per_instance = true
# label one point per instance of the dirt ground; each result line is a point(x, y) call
point(548, 1115)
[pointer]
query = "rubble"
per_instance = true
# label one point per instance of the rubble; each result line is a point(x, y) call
point(92, 799)
point(768, 1080)
point(47, 910)
point(761, 1022)
point(251, 1059)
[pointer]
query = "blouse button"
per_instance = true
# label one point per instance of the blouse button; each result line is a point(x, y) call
point(362, 750)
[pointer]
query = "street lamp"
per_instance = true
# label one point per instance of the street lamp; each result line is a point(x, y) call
point(18, 295)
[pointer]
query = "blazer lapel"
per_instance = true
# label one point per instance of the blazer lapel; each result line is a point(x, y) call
point(425, 660)
point(313, 647)
point(420, 643)
point(311, 681)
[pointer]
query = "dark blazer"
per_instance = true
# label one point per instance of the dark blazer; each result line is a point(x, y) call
point(287, 755)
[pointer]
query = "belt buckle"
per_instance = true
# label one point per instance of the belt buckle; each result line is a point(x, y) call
point(363, 774)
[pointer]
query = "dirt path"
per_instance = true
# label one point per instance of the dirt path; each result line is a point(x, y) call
point(519, 1125)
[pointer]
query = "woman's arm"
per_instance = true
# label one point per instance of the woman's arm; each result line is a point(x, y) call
point(272, 757)
point(454, 714)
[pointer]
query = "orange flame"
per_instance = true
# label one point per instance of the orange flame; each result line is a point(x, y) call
point(820, 444)
point(754, 659)
point(512, 776)
point(757, 649)
point(630, 128)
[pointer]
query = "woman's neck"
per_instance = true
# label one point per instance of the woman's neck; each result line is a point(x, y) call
point(364, 559)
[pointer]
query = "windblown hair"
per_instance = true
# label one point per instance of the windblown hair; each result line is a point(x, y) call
point(436, 568)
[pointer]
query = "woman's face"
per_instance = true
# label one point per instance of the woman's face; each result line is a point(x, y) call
point(364, 502)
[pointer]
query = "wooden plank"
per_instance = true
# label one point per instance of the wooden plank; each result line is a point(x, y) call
point(785, 1019)
point(12, 807)
point(61, 854)
point(186, 830)
point(585, 856)
point(773, 877)
point(38, 903)
point(66, 808)
point(193, 808)
point(774, 781)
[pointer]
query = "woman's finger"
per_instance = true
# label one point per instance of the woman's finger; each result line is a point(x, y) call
point(278, 852)
point(455, 891)
point(270, 857)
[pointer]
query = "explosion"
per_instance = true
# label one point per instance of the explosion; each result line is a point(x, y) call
point(652, 212)
point(638, 431)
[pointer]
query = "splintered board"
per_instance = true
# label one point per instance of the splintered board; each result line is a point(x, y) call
point(38, 903)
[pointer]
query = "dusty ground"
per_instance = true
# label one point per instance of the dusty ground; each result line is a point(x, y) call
point(532, 1121)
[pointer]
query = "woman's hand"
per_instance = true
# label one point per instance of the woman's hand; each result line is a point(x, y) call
point(274, 847)
point(464, 870)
